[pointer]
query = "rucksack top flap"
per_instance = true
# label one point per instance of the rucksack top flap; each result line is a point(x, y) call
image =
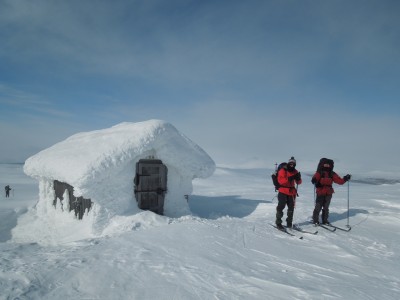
point(324, 161)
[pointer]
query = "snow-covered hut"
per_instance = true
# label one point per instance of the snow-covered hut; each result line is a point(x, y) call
point(99, 170)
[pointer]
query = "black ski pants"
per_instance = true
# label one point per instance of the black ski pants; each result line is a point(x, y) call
point(322, 202)
point(284, 200)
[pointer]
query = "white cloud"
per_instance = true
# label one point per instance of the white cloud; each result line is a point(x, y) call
point(260, 83)
point(25, 104)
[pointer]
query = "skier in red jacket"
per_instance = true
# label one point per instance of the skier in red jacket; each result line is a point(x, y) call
point(323, 180)
point(287, 178)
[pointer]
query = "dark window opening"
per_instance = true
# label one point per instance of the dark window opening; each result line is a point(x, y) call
point(77, 204)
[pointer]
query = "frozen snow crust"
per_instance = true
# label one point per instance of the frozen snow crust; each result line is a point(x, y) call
point(100, 165)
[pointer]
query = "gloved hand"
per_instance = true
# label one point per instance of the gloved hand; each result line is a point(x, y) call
point(347, 177)
point(313, 180)
point(296, 177)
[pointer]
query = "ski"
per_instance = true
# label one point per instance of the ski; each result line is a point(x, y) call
point(329, 228)
point(340, 228)
point(304, 231)
point(286, 231)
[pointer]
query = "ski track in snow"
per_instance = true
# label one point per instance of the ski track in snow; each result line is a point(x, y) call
point(228, 251)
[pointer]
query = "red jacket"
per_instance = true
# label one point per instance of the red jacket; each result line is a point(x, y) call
point(324, 182)
point(287, 187)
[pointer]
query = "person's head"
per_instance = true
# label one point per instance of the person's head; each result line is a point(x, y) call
point(291, 165)
point(326, 167)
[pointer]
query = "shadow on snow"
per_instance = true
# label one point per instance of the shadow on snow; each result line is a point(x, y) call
point(336, 217)
point(8, 220)
point(215, 207)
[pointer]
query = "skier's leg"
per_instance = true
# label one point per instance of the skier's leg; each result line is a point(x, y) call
point(317, 208)
point(280, 207)
point(325, 209)
point(290, 211)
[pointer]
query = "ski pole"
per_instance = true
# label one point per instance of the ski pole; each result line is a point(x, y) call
point(348, 203)
point(294, 200)
point(315, 200)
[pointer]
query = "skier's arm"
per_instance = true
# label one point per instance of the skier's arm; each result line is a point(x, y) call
point(337, 179)
point(283, 178)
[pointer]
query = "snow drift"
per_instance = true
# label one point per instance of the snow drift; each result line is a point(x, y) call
point(100, 165)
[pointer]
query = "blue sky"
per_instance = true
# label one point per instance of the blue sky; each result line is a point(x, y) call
point(252, 82)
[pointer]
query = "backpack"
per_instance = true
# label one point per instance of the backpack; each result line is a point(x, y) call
point(323, 161)
point(274, 175)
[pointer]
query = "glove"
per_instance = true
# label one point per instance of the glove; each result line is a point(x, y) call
point(347, 177)
point(296, 177)
point(313, 180)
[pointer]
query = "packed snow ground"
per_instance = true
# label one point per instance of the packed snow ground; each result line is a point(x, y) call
point(226, 250)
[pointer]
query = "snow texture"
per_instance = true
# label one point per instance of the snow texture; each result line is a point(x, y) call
point(226, 250)
point(100, 165)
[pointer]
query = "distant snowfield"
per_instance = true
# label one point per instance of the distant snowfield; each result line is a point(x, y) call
point(225, 250)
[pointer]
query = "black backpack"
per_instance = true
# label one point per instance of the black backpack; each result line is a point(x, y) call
point(274, 176)
point(323, 161)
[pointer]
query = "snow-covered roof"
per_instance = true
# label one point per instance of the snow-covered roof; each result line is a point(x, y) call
point(89, 156)
point(100, 165)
